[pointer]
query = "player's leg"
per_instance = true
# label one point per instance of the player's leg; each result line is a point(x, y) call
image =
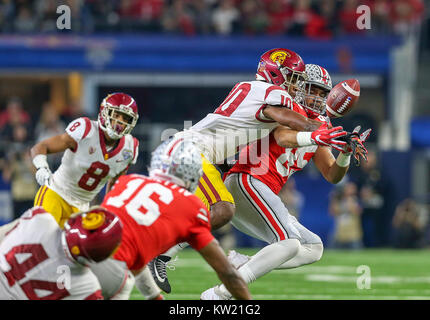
point(115, 279)
point(146, 285)
point(311, 248)
point(218, 200)
point(261, 214)
point(53, 203)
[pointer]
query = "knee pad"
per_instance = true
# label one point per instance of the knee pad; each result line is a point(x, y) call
point(315, 251)
point(293, 246)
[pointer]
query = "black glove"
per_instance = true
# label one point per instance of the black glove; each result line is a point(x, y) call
point(355, 144)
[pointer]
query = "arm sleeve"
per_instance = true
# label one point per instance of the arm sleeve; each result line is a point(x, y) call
point(78, 129)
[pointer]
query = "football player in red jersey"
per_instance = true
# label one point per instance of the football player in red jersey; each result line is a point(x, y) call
point(56, 263)
point(260, 212)
point(251, 110)
point(158, 212)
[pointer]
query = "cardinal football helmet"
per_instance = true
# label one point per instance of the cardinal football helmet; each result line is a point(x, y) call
point(281, 67)
point(318, 77)
point(118, 115)
point(92, 236)
point(179, 161)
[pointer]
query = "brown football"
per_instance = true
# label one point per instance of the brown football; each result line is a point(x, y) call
point(342, 98)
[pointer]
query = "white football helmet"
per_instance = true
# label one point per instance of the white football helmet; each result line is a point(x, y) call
point(316, 77)
point(178, 161)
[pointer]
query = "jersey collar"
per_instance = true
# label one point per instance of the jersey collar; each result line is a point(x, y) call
point(107, 155)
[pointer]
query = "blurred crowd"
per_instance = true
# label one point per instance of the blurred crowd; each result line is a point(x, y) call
point(362, 218)
point(19, 131)
point(310, 18)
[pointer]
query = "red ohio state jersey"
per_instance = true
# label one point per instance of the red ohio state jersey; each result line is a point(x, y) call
point(156, 215)
point(276, 166)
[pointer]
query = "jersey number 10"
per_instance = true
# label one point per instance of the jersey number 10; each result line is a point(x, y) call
point(229, 105)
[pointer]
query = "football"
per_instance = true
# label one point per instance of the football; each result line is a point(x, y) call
point(342, 98)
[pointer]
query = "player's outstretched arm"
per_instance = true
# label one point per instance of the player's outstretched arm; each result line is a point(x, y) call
point(288, 138)
point(290, 118)
point(232, 280)
point(332, 169)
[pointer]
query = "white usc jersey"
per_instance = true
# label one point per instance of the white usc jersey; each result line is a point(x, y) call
point(84, 172)
point(238, 120)
point(34, 265)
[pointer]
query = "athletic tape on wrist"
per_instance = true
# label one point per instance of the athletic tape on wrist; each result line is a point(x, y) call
point(343, 159)
point(304, 139)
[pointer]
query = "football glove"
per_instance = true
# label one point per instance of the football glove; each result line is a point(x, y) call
point(329, 137)
point(43, 176)
point(43, 173)
point(355, 144)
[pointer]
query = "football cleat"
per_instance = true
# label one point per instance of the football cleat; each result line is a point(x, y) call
point(237, 259)
point(213, 294)
point(158, 269)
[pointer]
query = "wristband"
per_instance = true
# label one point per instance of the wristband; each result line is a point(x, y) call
point(40, 161)
point(343, 159)
point(304, 139)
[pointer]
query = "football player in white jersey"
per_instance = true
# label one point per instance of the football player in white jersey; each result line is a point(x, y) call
point(251, 111)
point(96, 153)
point(260, 212)
point(51, 265)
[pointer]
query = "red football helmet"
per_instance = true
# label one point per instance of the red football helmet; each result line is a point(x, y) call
point(281, 67)
point(92, 236)
point(112, 108)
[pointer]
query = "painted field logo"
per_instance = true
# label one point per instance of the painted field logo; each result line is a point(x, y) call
point(364, 281)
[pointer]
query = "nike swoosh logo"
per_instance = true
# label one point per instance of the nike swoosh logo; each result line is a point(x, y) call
point(317, 138)
point(158, 277)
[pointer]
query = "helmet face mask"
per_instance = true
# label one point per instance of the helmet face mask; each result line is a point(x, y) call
point(178, 161)
point(315, 98)
point(118, 115)
point(315, 90)
point(294, 81)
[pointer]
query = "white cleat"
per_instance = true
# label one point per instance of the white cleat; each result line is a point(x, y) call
point(237, 259)
point(213, 294)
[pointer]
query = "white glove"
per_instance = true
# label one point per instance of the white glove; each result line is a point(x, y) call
point(43, 174)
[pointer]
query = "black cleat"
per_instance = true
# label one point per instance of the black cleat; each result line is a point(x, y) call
point(158, 270)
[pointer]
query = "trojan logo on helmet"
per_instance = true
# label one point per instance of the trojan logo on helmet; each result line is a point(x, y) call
point(283, 68)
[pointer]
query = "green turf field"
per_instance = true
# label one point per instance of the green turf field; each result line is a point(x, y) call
point(395, 274)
